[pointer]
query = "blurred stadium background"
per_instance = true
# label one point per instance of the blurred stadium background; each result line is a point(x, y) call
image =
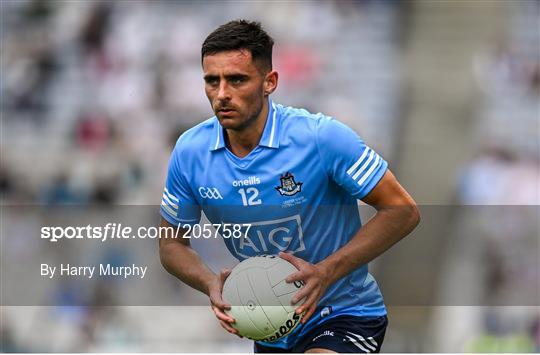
point(95, 93)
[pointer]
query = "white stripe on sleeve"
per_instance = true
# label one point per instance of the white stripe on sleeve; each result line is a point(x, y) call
point(355, 165)
point(168, 209)
point(368, 173)
point(168, 201)
point(171, 196)
point(365, 165)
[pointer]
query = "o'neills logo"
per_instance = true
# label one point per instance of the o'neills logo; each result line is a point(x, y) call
point(252, 180)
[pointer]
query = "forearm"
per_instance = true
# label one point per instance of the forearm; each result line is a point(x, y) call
point(183, 262)
point(386, 228)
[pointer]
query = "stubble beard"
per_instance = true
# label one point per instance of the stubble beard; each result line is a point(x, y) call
point(247, 123)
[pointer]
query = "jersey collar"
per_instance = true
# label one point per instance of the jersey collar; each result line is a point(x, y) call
point(269, 138)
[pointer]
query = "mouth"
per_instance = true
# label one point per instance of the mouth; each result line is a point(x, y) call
point(225, 111)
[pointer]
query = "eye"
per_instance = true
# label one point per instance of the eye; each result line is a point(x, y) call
point(237, 80)
point(211, 81)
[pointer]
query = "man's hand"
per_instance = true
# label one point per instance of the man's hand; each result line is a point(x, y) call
point(218, 304)
point(316, 281)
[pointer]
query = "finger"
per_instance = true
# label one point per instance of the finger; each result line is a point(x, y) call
point(292, 259)
point(228, 327)
point(308, 314)
point(222, 315)
point(300, 295)
point(218, 301)
point(310, 301)
point(295, 276)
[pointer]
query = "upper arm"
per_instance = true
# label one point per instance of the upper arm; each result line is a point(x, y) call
point(388, 192)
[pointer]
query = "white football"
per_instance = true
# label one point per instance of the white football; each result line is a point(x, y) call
point(261, 299)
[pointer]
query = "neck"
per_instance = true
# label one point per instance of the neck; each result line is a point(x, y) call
point(242, 142)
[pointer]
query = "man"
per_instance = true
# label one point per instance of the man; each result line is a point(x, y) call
point(295, 177)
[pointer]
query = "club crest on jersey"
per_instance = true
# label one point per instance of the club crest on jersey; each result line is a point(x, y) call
point(289, 186)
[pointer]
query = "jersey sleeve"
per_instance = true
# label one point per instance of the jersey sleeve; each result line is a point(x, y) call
point(178, 205)
point(348, 161)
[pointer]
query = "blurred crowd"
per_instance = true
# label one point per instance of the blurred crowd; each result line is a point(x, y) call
point(507, 131)
point(95, 93)
point(503, 181)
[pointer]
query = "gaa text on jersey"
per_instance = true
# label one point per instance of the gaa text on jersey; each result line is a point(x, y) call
point(211, 193)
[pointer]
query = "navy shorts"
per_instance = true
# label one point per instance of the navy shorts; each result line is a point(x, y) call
point(342, 334)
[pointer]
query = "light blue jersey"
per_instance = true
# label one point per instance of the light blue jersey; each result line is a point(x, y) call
point(298, 190)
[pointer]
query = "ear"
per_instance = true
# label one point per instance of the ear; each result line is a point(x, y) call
point(270, 83)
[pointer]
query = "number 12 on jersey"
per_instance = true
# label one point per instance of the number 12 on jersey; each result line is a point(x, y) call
point(249, 196)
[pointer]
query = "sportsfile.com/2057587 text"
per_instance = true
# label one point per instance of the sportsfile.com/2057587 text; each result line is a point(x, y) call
point(119, 231)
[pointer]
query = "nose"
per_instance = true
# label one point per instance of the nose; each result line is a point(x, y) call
point(223, 91)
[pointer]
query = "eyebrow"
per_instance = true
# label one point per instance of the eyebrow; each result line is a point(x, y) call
point(228, 77)
point(210, 77)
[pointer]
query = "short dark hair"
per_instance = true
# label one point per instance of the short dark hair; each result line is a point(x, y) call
point(241, 34)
